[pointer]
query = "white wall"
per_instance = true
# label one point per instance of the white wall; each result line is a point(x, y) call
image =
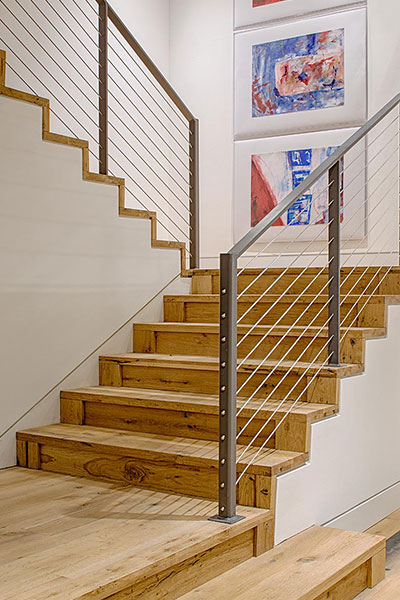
point(149, 22)
point(71, 270)
point(202, 72)
point(202, 69)
point(355, 455)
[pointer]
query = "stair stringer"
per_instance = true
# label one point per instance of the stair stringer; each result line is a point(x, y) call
point(352, 479)
point(87, 175)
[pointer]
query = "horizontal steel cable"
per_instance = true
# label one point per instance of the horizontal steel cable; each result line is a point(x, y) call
point(152, 83)
point(259, 450)
point(151, 154)
point(148, 180)
point(71, 31)
point(318, 274)
point(146, 208)
point(146, 105)
point(57, 48)
point(288, 351)
point(50, 92)
point(57, 82)
point(153, 128)
point(304, 269)
point(284, 400)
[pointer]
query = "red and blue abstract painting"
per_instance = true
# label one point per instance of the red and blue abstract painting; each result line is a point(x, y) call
point(264, 2)
point(276, 174)
point(298, 74)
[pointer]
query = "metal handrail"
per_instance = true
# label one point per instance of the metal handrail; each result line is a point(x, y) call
point(333, 167)
point(256, 232)
point(106, 15)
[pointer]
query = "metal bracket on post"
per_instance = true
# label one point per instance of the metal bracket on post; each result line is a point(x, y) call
point(227, 391)
point(103, 87)
point(335, 190)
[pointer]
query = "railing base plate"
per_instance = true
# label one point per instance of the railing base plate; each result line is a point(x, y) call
point(227, 520)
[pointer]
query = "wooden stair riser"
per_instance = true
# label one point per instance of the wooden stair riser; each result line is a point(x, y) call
point(293, 433)
point(307, 387)
point(204, 566)
point(161, 472)
point(274, 345)
point(366, 313)
point(312, 282)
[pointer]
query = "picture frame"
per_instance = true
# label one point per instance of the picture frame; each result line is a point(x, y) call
point(304, 76)
point(255, 12)
point(279, 183)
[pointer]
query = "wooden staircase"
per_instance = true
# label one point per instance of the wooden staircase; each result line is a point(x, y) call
point(153, 420)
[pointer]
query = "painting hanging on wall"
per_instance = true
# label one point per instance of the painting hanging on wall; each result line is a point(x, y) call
point(303, 76)
point(267, 170)
point(254, 12)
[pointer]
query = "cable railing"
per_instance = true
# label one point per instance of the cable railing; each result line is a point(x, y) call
point(103, 87)
point(290, 295)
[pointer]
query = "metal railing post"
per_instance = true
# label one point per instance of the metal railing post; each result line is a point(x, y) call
point(103, 87)
point(334, 263)
point(227, 390)
point(194, 194)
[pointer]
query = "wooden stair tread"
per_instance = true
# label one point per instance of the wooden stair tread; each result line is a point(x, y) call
point(297, 270)
point(189, 451)
point(212, 362)
point(67, 538)
point(200, 403)
point(287, 330)
point(286, 298)
point(301, 568)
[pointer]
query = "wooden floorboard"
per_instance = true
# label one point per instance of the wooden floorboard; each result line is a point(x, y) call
point(66, 538)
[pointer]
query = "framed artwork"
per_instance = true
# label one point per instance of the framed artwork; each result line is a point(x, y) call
point(253, 12)
point(303, 76)
point(267, 170)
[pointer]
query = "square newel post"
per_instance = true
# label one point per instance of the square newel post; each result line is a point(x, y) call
point(227, 391)
point(103, 87)
point(335, 189)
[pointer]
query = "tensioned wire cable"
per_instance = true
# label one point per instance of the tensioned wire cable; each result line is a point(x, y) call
point(260, 365)
point(305, 268)
point(294, 324)
point(304, 351)
point(279, 424)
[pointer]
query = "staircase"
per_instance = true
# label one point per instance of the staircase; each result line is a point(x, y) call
point(153, 423)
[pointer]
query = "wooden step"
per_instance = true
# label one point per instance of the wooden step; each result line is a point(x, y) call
point(376, 280)
point(318, 564)
point(291, 343)
point(162, 463)
point(287, 380)
point(65, 538)
point(298, 310)
point(190, 415)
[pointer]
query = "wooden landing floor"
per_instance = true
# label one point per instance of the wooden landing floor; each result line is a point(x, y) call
point(66, 538)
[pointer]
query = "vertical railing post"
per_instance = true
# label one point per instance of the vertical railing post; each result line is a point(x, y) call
point(103, 87)
point(194, 194)
point(227, 390)
point(334, 263)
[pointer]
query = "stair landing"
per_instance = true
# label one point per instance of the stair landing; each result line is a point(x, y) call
point(68, 538)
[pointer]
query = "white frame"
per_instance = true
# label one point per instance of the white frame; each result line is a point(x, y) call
point(354, 110)
point(356, 175)
point(247, 16)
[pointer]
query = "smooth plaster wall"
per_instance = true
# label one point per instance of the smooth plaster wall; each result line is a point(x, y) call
point(72, 271)
point(202, 70)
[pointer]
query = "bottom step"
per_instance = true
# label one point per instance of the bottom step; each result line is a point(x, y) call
point(318, 564)
point(64, 538)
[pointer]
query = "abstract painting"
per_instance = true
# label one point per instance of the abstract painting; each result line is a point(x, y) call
point(251, 12)
point(298, 74)
point(267, 170)
point(302, 76)
point(264, 2)
point(275, 175)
